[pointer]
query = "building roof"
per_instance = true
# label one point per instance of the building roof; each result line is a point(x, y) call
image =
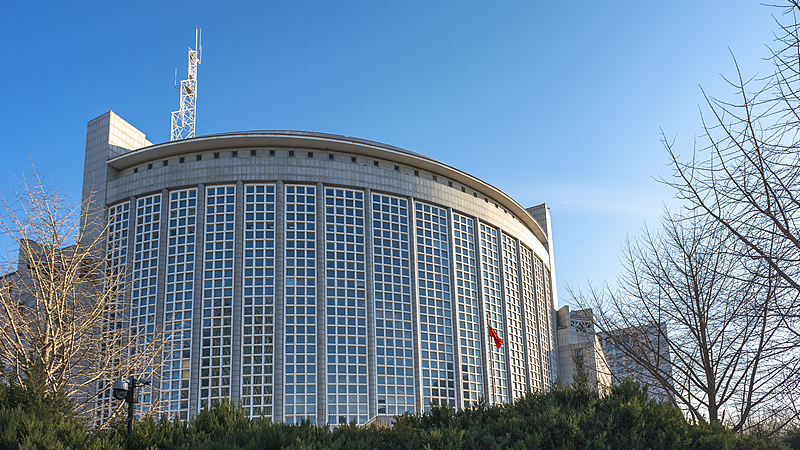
point(326, 142)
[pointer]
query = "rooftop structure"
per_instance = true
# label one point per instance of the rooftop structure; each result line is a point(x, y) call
point(579, 351)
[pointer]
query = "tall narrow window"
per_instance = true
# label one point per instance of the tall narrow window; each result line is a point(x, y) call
point(300, 349)
point(493, 300)
point(258, 304)
point(469, 310)
point(346, 331)
point(178, 303)
point(516, 348)
point(145, 280)
point(393, 333)
point(216, 345)
point(435, 307)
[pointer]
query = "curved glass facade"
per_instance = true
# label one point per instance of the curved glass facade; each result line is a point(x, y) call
point(331, 280)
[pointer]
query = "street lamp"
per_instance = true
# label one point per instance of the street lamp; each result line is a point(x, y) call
point(126, 390)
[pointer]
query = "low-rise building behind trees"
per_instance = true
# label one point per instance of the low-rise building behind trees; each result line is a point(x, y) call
point(650, 344)
point(580, 355)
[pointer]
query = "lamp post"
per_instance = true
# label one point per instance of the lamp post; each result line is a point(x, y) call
point(126, 390)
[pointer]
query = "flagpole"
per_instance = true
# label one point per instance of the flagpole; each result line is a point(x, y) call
point(491, 366)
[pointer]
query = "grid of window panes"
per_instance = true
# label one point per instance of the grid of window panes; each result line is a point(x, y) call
point(548, 298)
point(178, 303)
point(258, 304)
point(116, 251)
point(117, 235)
point(469, 333)
point(215, 348)
point(145, 281)
point(532, 326)
point(435, 309)
point(394, 345)
point(493, 302)
point(300, 305)
point(513, 301)
point(346, 306)
point(543, 319)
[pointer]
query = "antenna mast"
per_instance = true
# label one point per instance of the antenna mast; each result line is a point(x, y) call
point(183, 118)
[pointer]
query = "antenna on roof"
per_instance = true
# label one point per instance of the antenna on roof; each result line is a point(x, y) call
point(183, 119)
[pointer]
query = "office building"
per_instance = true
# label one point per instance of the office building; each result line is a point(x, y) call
point(321, 277)
point(640, 353)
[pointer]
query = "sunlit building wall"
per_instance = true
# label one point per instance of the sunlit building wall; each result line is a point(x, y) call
point(321, 277)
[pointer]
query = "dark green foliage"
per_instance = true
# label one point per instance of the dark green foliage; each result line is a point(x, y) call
point(32, 419)
point(564, 418)
point(792, 438)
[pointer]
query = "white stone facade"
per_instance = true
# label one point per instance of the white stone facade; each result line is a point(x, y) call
point(321, 277)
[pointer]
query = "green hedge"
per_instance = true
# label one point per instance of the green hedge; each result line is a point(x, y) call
point(564, 418)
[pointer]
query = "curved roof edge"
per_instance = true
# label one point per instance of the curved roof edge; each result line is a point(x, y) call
point(325, 141)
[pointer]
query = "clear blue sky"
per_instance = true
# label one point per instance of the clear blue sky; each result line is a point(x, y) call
point(557, 102)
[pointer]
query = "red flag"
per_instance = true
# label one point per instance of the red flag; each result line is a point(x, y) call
point(497, 341)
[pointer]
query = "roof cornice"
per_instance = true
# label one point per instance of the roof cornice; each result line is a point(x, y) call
point(330, 142)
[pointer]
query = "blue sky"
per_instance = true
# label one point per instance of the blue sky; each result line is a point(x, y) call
point(557, 102)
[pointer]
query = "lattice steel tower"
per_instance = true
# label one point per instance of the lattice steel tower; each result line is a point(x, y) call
point(183, 118)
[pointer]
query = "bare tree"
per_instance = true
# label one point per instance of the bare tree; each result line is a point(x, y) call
point(61, 312)
point(721, 284)
point(692, 319)
point(745, 174)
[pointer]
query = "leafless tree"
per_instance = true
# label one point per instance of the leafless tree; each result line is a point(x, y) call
point(692, 320)
point(61, 310)
point(721, 283)
point(745, 173)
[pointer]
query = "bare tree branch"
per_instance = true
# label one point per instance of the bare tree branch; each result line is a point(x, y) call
point(61, 309)
point(695, 321)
